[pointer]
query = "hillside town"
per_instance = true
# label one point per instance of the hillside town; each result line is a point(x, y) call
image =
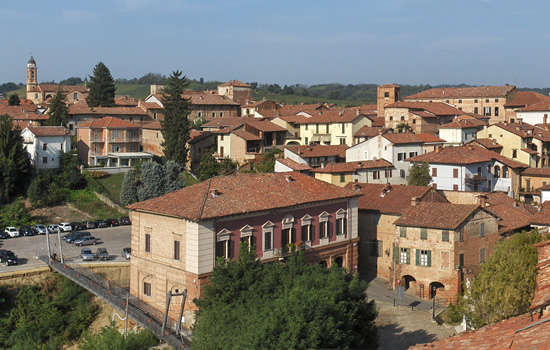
point(341, 190)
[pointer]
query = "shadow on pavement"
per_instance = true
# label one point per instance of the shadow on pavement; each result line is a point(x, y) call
point(393, 337)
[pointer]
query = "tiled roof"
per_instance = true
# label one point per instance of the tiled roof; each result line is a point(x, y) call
point(537, 107)
point(288, 110)
point(293, 164)
point(208, 99)
point(464, 92)
point(349, 167)
point(393, 199)
point(121, 110)
point(428, 138)
point(64, 88)
point(235, 83)
point(474, 118)
point(245, 135)
point(377, 121)
point(513, 215)
point(542, 217)
point(223, 122)
point(423, 114)
point(25, 112)
point(309, 151)
point(370, 131)
point(389, 85)
point(542, 292)
point(530, 151)
point(525, 130)
point(402, 138)
point(436, 215)
point(334, 115)
point(488, 143)
point(437, 108)
point(263, 125)
point(526, 98)
point(109, 123)
point(49, 130)
point(460, 124)
point(545, 172)
point(152, 126)
point(126, 101)
point(196, 135)
point(468, 154)
point(243, 194)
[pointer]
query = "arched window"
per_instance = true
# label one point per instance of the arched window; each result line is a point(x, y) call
point(496, 172)
point(402, 173)
point(505, 171)
point(386, 94)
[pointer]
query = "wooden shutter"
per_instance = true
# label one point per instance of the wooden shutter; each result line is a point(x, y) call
point(418, 257)
point(429, 258)
point(231, 248)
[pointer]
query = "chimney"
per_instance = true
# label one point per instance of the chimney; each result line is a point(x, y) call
point(356, 187)
point(415, 201)
point(341, 113)
point(289, 178)
point(515, 204)
point(214, 193)
point(482, 200)
point(322, 165)
point(358, 112)
point(437, 149)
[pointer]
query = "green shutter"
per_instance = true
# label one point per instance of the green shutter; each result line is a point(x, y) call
point(418, 257)
point(429, 258)
point(408, 255)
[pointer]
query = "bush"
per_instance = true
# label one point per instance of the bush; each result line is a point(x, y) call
point(98, 174)
point(454, 313)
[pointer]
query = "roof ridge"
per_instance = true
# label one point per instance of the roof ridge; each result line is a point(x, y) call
point(203, 204)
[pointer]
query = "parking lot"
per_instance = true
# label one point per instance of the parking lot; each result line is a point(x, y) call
point(29, 248)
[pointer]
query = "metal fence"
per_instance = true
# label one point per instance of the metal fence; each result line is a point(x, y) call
point(120, 298)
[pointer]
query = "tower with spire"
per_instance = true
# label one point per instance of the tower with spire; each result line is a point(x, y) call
point(32, 79)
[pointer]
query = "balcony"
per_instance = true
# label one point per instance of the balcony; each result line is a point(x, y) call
point(475, 180)
point(289, 248)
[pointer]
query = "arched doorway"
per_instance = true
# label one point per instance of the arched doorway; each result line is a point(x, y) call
point(434, 286)
point(323, 264)
point(339, 261)
point(293, 143)
point(408, 281)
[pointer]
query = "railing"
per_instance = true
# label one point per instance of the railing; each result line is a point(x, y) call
point(475, 180)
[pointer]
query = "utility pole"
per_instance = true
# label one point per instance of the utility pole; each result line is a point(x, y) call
point(126, 322)
point(60, 249)
point(48, 244)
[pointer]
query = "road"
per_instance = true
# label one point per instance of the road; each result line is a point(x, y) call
point(28, 248)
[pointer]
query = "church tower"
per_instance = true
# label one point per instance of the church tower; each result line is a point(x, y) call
point(32, 79)
point(387, 94)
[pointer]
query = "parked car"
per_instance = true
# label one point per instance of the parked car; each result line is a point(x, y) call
point(26, 230)
point(89, 224)
point(126, 252)
point(40, 229)
point(125, 220)
point(65, 227)
point(12, 231)
point(77, 226)
point(8, 257)
point(76, 236)
point(86, 254)
point(53, 228)
point(3, 234)
point(102, 254)
point(112, 222)
point(100, 223)
point(85, 240)
point(68, 235)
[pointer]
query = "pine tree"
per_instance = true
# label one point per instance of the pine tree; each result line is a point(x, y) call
point(174, 180)
point(58, 111)
point(14, 100)
point(128, 190)
point(101, 87)
point(15, 168)
point(153, 181)
point(175, 126)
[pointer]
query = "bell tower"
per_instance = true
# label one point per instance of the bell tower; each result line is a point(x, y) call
point(387, 94)
point(32, 80)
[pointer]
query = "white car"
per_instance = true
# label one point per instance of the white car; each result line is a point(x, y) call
point(53, 228)
point(65, 227)
point(12, 231)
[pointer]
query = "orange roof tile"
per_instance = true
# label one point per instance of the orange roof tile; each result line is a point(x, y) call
point(293, 164)
point(488, 143)
point(460, 124)
point(349, 167)
point(437, 108)
point(49, 130)
point(544, 172)
point(436, 215)
point(526, 98)
point(464, 92)
point(428, 138)
point(109, 123)
point(152, 126)
point(245, 135)
point(369, 131)
point(235, 83)
point(402, 138)
point(309, 151)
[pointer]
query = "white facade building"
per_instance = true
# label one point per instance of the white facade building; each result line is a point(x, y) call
point(45, 144)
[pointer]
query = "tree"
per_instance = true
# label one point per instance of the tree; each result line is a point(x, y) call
point(505, 286)
point(174, 179)
point(153, 181)
point(283, 305)
point(209, 167)
point(15, 168)
point(14, 100)
point(419, 174)
point(128, 190)
point(175, 126)
point(101, 87)
point(58, 111)
point(71, 81)
point(109, 338)
point(267, 163)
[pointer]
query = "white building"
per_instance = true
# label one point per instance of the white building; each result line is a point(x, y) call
point(458, 132)
point(45, 144)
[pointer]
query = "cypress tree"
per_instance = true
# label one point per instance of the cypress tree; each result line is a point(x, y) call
point(128, 190)
point(15, 167)
point(101, 87)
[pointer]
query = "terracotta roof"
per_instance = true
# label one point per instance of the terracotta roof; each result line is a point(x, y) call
point(126, 101)
point(393, 199)
point(488, 143)
point(247, 136)
point(436, 215)
point(109, 123)
point(474, 118)
point(208, 99)
point(402, 138)
point(464, 92)
point(377, 121)
point(121, 110)
point(437, 108)
point(235, 83)
point(25, 112)
point(388, 86)
point(514, 216)
point(152, 126)
point(263, 125)
point(64, 88)
point(423, 114)
point(460, 124)
point(369, 131)
point(49, 130)
point(243, 194)
point(196, 135)
point(545, 172)
point(349, 167)
point(293, 164)
point(334, 115)
point(468, 154)
point(151, 105)
point(542, 292)
point(530, 151)
point(428, 138)
point(525, 130)
point(309, 151)
point(288, 110)
point(223, 122)
point(542, 217)
point(526, 98)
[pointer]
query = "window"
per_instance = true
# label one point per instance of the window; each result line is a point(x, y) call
point(434, 172)
point(376, 248)
point(405, 255)
point(461, 260)
point(343, 128)
point(342, 177)
point(459, 101)
point(514, 153)
point(476, 110)
point(148, 243)
point(482, 230)
point(487, 111)
point(486, 100)
point(221, 114)
point(341, 222)
point(424, 233)
point(455, 173)
point(489, 168)
point(213, 114)
point(223, 249)
point(481, 255)
point(176, 250)
point(376, 175)
point(402, 173)
point(387, 173)
point(324, 225)
point(306, 141)
point(307, 234)
point(424, 257)
point(268, 235)
point(476, 101)
point(402, 118)
point(147, 290)
point(115, 148)
point(45, 147)
point(200, 114)
point(402, 232)
point(496, 111)
point(461, 235)
point(366, 155)
point(445, 236)
point(316, 128)
point(386, 94)
point(75, 96)
point(401, 156)
point(115, 134)
point(496, 99)
point(413, 154)
point(342, 140)
point(306, 126)
point(326, 129)
point(45, 160)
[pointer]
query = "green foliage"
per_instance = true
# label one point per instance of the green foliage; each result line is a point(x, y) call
point(267, 163)
point(109, 338)
point(46, 316)
point(71, 177)
point(152, 181)
point(101, 87)
point(15, 214)
point(283, 305)
point(7, 87)
point(419, 174)
point(209, 167)
point(15, 168)
point(403, 127)
point(14, 100)
point(58, 111)
point(175, 126)
point(505, 286)
point(174, 178)
point(188, 179)
point(71, 81)
point(128, 191)
point(86, 201)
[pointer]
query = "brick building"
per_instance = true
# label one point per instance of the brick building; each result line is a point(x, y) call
point(177, 237)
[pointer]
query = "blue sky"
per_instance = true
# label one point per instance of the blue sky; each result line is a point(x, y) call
point(480, 42)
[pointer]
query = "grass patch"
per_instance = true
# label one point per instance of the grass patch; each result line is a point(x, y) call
point(113, 184)
point(189, 179)
point(86, 201)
